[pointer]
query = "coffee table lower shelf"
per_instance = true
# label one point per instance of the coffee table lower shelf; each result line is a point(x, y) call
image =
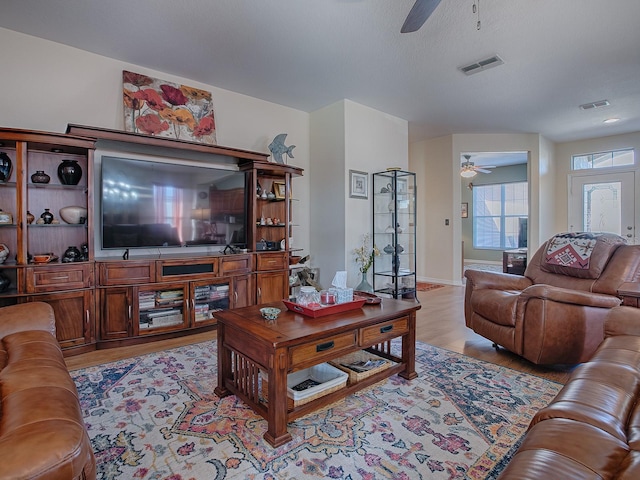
point(250, 350)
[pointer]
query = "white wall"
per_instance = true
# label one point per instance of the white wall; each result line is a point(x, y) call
point(327, 191)
point(348, 136)
point(373, 142)
point(47, 85)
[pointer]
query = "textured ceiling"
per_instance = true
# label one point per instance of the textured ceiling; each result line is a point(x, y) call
point(307, 54)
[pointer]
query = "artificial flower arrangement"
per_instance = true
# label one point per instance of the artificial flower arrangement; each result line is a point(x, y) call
point(365, 254)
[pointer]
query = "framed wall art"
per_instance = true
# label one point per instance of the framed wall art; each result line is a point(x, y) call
point(464, 210)
point(358, 184)
point(170, 110)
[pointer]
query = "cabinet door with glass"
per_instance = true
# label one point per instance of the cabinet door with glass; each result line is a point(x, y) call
point(394, 233)
point(207, 298)
point(161, 308)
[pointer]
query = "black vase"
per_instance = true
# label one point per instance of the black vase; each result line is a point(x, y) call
point(72, 254)
point(4, 282)
point(47, 216)
point(69, 172)
point(40, 177)
point(5, 167)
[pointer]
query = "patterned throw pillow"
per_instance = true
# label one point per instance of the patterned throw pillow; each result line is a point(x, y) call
point(582, 255)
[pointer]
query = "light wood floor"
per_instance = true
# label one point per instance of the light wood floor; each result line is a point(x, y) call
point(440, 322)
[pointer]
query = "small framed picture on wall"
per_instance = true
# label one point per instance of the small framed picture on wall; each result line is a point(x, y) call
point(358, 184)
point(464, 210)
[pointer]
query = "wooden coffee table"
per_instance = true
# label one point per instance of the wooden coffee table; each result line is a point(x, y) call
point(248, 344)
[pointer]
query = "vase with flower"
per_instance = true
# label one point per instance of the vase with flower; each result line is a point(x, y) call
point(365, 254)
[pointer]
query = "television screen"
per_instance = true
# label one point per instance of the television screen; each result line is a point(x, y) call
point(156, 204)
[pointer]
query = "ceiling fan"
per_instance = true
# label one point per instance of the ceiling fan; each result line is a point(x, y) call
point(469, 169)
point(419, 14)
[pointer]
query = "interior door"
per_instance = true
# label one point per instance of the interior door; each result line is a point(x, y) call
point(603, 203)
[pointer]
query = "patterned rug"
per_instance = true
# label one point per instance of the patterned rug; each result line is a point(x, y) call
point(425, 287)
point(156, 417)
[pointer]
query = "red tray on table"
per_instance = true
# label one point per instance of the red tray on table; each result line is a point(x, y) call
point(324, 310)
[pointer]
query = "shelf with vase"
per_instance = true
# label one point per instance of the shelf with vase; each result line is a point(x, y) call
point(394, 221)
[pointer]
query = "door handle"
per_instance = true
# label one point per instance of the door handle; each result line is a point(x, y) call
point(322, 347)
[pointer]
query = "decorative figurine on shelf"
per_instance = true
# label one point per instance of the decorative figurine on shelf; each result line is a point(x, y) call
point(5, 218)
point(5, 167)
point(40, 177)
point(4, 282)
point(278, 148)
point(46, 216)
point(69, 172)
point(4, 252)
point(30, 217)
point(72, 254)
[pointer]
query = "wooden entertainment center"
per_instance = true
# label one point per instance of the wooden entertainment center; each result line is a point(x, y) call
point(100, 302)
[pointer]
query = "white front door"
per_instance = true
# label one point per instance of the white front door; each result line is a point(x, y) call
point(603, 203)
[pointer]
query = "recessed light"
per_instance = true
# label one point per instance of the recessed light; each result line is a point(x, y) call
point(611, 120)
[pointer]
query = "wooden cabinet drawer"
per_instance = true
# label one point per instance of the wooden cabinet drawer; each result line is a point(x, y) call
point(127, 272)
point(186, 269)
point(313, 353)
point(383, 331)
point(271, 261)
point(235, 264)
point(59, 277)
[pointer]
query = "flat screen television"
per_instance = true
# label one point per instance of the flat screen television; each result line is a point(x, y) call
point(152, 203)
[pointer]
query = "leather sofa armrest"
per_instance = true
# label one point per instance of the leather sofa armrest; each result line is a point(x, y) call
point(622, 321)
point(27, 316)
point(565, 295)
point(496, 280)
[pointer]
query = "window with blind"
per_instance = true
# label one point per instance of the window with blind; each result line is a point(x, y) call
point(500, 214)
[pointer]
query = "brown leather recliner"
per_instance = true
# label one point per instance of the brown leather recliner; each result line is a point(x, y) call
point(554, 314)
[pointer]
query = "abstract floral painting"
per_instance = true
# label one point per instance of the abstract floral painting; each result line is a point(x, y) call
point(165, 109)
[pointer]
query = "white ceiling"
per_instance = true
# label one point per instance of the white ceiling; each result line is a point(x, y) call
point(307, 54)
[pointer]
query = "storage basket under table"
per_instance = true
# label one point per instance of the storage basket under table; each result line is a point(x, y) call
point(329, 379)
point(360, 356)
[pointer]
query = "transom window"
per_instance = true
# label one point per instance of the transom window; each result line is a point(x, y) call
point(616, 158)
point(500, 213)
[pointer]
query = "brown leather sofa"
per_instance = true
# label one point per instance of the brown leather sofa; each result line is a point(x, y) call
point(553, 314)
point(592, 428)
point(42, 433)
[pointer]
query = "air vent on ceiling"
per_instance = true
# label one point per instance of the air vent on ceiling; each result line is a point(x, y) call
point(598, 104)
point(481, 65)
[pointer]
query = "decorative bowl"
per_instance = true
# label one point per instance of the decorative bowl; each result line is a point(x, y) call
point(73, 214)
point(43, 258)
point(270, 313)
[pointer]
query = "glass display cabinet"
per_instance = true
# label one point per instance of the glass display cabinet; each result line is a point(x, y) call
point(394, 233)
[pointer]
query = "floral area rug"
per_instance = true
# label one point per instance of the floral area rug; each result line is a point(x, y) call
point(156, 417)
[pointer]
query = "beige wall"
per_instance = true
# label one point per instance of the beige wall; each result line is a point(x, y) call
point(48, 85)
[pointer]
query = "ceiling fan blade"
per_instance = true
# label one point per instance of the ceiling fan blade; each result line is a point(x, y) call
point(419, 14)
point(482, 170)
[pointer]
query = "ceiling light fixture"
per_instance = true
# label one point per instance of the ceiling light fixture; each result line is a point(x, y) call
point(611, 120)
point(468, 172)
